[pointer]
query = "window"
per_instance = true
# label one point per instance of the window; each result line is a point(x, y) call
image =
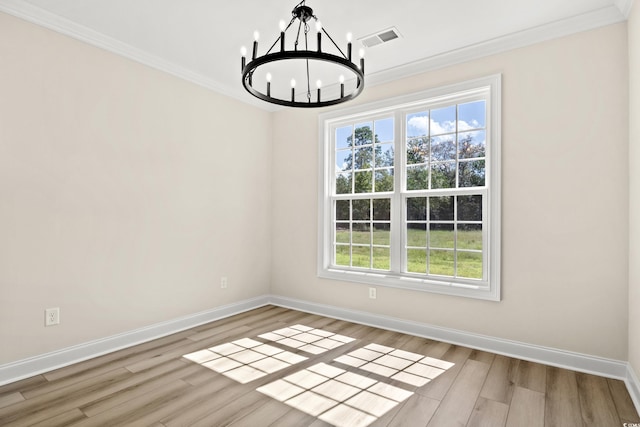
point(410, 191)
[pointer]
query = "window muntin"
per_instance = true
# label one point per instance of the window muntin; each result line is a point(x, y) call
point(411, 201)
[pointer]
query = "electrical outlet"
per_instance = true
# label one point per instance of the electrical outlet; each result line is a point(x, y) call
point(52, 316)
point(372, 293)
point(224, 282)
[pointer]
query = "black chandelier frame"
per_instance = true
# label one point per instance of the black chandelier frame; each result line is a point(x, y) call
point(303, 14)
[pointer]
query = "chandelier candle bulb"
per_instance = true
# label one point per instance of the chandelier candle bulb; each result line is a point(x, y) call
point(319, 85)
point(293, 90)
point(362, 60)
point(256, 36)
point(341, 86)
point(282, 28)
point(319, 29)
point(243, 52)
point(349, 46)
point(268, 84)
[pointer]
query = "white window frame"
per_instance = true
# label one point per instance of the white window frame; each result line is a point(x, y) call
point(488, 289)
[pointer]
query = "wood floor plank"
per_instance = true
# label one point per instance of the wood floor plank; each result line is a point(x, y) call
point(596, 403)
point(293, 418)
point(482, 356)
point(562, 404)
point(532, 375)
point(63, 420)
point(10, 399)
point(233, 411)
point(23, 385)
point(266, 414)
point(459, 402)
point(90, 367)
point(526, 409)
point(501, 379)
point(417, 411)
point(438, 388)
point(52, 404)
point(488, 413)
point(130, 411)
point(623, 402)
point(142, 385)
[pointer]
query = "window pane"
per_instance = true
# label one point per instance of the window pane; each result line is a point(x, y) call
point(363, 134)
point(417, 151)
point(416, 208)
point(364, 158)
point(343, 233)
point(381, 234)
point(361, 234)
point(472, 173)
point(342, 210)
point(417, 260)
point(441, 208)
point(417, 235)
point(361, 256)
point(441, 262)
point(344, 160)
point(342, 255)
point(361, 210)
point(381, 258)
point(343, 183)
point(384, 180)
point(472, 144)
point(469, 208)
point(443, 120)
point(343, 137)
point(384, 130)
point(469, 265)
point(443, 148)
point(363, 181)
point(441, 236)
point(471, 115)
point(417, 177)
point(470, 236)
point(418, 124)
point(443, 175)
point(384, 155)
point(382, 209)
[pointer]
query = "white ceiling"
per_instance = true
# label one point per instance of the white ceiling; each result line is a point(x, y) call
point(200, 40)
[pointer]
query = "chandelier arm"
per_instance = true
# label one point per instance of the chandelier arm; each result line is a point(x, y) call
point(298, 35)
point(334, 43)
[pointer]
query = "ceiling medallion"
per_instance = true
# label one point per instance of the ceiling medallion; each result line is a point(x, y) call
point(299, 60)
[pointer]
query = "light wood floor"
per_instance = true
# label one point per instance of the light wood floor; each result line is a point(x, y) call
point(279, 367)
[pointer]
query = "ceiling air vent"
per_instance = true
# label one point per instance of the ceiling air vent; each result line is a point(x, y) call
point(380, 37)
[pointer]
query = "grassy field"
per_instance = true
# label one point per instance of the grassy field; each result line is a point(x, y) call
point(441, 262)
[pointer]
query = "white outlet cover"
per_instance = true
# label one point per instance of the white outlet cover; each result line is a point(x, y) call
point(52, 316)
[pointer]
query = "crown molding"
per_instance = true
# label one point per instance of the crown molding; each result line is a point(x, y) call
point(612, 14)
point(625, 7)
point(62, 25)
point(584, 22)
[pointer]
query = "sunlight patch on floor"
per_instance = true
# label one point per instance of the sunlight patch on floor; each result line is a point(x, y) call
point(353, 391)
point(245, 360)
point(348, 399)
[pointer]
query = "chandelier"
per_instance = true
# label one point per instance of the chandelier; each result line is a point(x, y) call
point(273, 76)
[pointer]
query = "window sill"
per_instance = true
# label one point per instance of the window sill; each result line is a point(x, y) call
point(444, 287)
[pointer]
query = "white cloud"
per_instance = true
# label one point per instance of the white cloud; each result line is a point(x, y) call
point(420, 125)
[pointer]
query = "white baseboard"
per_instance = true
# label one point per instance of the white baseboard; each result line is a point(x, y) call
point(633, 385)
point(609, 368)
point(548, 356)
point(26, 368)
